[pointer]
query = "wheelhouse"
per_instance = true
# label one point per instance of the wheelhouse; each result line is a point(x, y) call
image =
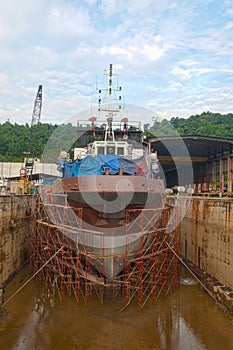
point(119, 148)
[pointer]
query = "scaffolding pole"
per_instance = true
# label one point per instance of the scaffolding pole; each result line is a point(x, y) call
point(150, 267)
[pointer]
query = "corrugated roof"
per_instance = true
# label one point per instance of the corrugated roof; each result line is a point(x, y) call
point(193, 145)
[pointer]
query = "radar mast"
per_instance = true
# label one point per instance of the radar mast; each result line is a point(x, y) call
point(111, 103)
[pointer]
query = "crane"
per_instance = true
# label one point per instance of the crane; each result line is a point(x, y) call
point(32, 153)
point(34, 132)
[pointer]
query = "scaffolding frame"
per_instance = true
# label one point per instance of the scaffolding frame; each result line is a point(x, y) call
point(153, 268)
point(150, 266)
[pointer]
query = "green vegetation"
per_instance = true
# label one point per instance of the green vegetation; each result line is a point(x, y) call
point(205, 124)
point(15, 139)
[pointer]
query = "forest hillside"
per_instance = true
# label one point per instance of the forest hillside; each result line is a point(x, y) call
point(15, 139)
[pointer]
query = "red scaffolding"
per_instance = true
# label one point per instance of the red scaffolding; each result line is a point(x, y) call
point(149, 265)
point(152, 267)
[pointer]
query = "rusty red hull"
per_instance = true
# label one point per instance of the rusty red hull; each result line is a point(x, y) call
point(105, 200)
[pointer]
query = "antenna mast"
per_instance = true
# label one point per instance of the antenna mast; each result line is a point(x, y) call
point(110, 103)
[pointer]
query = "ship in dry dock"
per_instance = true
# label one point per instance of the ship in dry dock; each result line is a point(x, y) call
point(112, 175)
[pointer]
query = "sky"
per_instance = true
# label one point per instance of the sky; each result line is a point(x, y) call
point(174, 58)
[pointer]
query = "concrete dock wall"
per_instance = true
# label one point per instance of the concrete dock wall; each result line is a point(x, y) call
point(207, 235)
point(15, 215)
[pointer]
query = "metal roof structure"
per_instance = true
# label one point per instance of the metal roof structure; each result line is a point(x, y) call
point(197, 146)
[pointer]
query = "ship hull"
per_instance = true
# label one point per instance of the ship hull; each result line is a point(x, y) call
point(111, 224)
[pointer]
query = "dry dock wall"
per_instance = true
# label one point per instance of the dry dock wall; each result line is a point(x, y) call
point(207, 235)
point(15, 214)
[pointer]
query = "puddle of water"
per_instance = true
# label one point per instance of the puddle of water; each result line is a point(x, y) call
point(186, 319)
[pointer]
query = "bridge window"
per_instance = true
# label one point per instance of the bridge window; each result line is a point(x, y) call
point(100, 150)
point(110, 150)
point(120, 151)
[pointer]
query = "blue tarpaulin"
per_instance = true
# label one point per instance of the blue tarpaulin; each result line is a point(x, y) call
point(96, 165)
point(49, 180)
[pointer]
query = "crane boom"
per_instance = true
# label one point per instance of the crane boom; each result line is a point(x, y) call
point(34, 133)
point(33, 151)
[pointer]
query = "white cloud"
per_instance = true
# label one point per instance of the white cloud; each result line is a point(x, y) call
point(175, 86)
point(183, 74)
